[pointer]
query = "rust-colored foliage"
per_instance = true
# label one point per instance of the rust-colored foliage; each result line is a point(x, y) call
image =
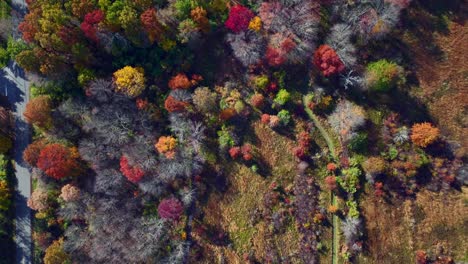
point(257, 100)
point(29, 27)
point(132, 173)
point(180, 81)
point(31, 153)
point(423, 134)
point(199, 16)
point(421, 257)
point(227, 114)
point(330, 181)
point(58, 161)
point(151, 24)
point(328, 61)
point(173, 105)
point(38, 111)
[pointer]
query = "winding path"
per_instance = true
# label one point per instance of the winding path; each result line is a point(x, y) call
point(331, 146)
point(15, 86)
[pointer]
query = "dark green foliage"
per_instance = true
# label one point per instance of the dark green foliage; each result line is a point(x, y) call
point(358, 143)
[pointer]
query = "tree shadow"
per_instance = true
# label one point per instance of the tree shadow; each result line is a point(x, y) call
point(9, 88)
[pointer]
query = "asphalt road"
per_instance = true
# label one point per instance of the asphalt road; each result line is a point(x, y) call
point(14, 85)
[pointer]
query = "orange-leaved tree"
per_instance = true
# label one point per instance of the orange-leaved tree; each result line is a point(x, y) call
point(423, 134)
point(59, 161)
point(38, 111)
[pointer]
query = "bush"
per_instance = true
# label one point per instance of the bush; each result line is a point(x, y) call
point(284, 117)
point(282, 97)
point(382, 75)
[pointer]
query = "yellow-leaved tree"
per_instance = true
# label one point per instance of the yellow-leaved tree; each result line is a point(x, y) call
point(130, 81)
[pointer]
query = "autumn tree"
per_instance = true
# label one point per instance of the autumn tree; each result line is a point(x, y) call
point(59, 161)
point(31, 153)
point(173, 105)
point(69, 193)
point(327, 61)
point(170, 208)
point(39, 200)
point(199, 17)
point(239, 18)
point(38, 111)
point(181, 81)
point(151, 24)
point(423, 134)
point(346, 119)
point(89, 25)
point(166, 145)
point(130, 81)
point(205, 100)
point(55, 254)
point(132, 172)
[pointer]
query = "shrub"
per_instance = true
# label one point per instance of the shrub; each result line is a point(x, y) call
point(423, 134)
point(58, 161)
point(330, 181)
point(382, 75)
point(327, 61)
point(170, 208)
point(239, 18)
point(284, 117)
point(282, 97)
point(257, 100)
point(38, 111)
point(235, 152)
point(261, 82)
point(130, 81)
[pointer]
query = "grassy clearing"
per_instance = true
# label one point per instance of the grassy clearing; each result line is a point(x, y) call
point(233, 211)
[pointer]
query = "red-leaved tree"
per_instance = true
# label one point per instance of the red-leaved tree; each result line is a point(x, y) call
point(132, 173)
point(328, 61)
point(239, 18)
point(31, 153)
point(170, 208)
point(89, 25)
point(58, 161)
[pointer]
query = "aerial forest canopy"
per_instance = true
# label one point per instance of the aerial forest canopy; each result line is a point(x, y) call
point(214, 131)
